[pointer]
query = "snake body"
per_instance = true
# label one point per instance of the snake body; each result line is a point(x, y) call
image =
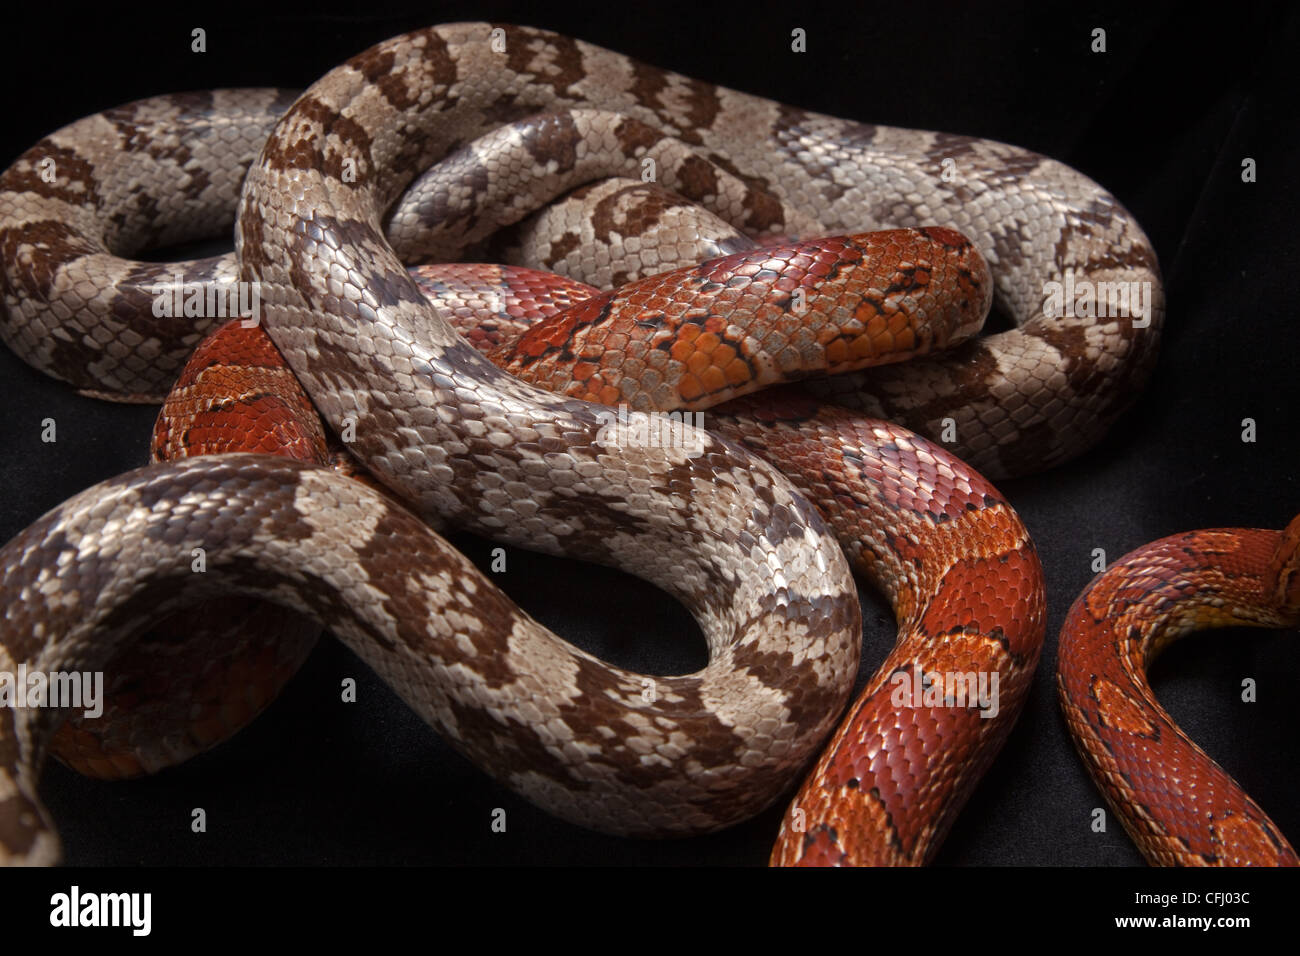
point(574, 734)
point(162, 171)
point(460, 441)
point(1179, 806)
point(936, 538)
point(869, 479)
point(951, 556)
point(1018, 401)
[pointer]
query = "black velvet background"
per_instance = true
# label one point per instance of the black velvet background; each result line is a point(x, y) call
point(1163, 119)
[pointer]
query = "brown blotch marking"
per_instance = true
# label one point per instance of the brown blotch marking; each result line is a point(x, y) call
point(954, 147)
point(648, 85)
point(598, 705)
point(697, 179)
point(305, 148)
point(1138, 257)
point(703, 105)
point(634, 137)
point(1071, 342)
point(764, 213)
point(46, 546)
point(69, 168)
point(563, 61)
point(299, 149)
point(641, 211)
point(1082, 223)
point(485, 741)
point(552, 139)
point(405, 600)
point(564, 244)
point(376, 65)
point(656, 89)
point(356, 142)
point(702, 108)
point(138, 136)
point(51, 245)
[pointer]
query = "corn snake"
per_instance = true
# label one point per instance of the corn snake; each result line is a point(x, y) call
point(1005, 257)
point(1179, 806)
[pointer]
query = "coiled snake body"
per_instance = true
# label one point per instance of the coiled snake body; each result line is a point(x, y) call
point(462, 442)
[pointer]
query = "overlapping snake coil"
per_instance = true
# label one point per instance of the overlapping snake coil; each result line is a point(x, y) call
point(461, 442)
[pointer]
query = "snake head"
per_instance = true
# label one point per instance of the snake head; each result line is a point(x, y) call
point(1283, 582)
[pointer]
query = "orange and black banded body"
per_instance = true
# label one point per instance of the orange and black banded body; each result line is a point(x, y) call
point(1178, 805)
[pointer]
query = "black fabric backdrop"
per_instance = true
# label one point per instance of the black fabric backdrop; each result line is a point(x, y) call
point(1163, 119)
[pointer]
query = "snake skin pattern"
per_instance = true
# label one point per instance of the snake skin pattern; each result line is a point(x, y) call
point(442, 428)
point(194, 680)
point(1019, 401)
point(1178, 805)
point(888, 787)
point(917, 763)
point(236, 394)
point(572, 733)
point(946, 550)
point(653, 345)
point(162, 171)
point(609, 233)
point(873, 798)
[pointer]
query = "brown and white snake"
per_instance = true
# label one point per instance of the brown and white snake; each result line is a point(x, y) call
point(462, 442)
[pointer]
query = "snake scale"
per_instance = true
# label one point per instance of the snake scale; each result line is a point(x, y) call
point(1178, 805)
point(460, 441)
